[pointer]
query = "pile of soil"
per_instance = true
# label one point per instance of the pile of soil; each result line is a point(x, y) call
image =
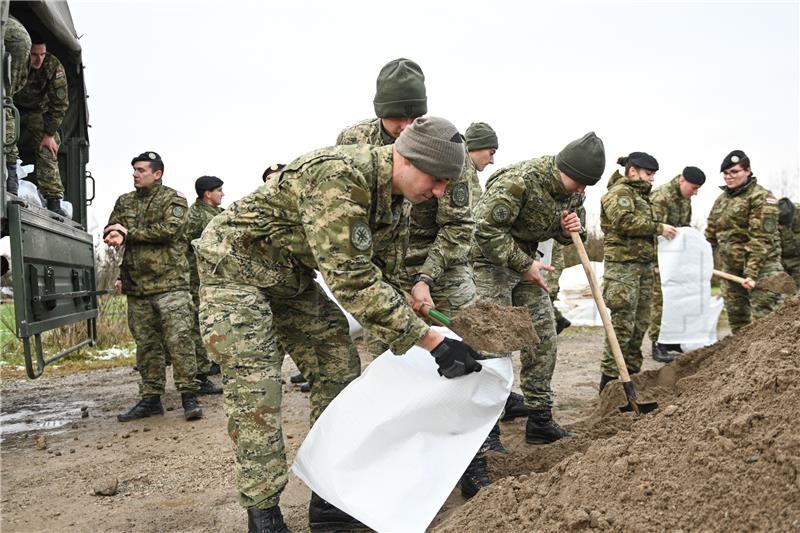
point(721, 453)
point(494, 328)
point(781, 283)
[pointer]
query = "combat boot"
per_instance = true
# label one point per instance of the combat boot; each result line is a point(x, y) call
point(191, 409)
point(604, 380)
point(54, 205)
point(515, 407)
point(495, 444)
point(207, 386)
point(661, 354)
point(562, 324)
point(12, 180)
point(298, 378)
point(323, 516)
point(542, 429)
point(266, 521)
point(305, 387)
point(475, 477)
point(215, 370)
point(674, 348)
point(147, 406)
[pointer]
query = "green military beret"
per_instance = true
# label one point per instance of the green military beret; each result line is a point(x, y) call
point(400, 90)
point(480, 135)
point(584, 159)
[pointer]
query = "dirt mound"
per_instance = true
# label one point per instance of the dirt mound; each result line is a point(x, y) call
point(495, 328)
point(721, 453)
point(781, 283)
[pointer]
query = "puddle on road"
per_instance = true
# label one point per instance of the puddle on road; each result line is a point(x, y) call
point(48, 417)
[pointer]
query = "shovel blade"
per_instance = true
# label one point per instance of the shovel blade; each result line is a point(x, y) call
point(639, 408)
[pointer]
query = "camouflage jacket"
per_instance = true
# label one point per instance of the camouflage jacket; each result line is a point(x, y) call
point(743, 228)
point(154, 260)
point(200, 214)
point(475, 190)
point(669, 206)
point(627, 221)
point(521, 207)
point(46, 91)
point(790, 237)
point(440, 230)
point(331, 210)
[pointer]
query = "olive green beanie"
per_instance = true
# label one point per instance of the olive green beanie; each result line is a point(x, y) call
point(584, 159)
point(400, 90)
point(434, 146)
point(480, 135)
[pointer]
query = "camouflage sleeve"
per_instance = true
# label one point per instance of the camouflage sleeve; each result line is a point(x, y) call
point(456, 226)
point(336, 222)
point(475, 190)
point(343, 138)
point(620, 209)
point(195, 224)
point(763, 226)
point(57, 100)
point(496, 211)
point(660, 208)
point(711, 229)
point(170, 228)
point(116, 216)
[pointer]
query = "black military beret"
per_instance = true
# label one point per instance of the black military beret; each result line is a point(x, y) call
point(206, 183)
point(694, 175)
point(639, 160)
point(737, 157)
point(275, 167)
point(146, 156)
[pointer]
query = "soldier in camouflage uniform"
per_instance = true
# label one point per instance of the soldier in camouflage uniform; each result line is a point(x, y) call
point(207, 206)
point(482, 144)
point(17, 42)
point(672, 204)
point(337, 210)
point(789, 227)
point(42, 104)
point(629, 255)
point(743, 229)
point(149, 222)
point(524, 204)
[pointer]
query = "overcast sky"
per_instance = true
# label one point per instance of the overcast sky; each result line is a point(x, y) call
point(229, 88)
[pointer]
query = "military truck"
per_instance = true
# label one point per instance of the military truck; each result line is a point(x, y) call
point(52, 256)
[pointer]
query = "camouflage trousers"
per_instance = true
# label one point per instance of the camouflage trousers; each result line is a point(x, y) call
point(247, 330)
point(628, 294)
point(159, 321)
point(657, 308)
point(742, 305)
point(200, 352)
point(48, 178)
point(552, 278)
point(17, 42)
point(503, 286)
point(792, 267)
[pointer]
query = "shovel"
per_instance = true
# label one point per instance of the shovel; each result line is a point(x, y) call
point(780, 283)
point(627, 384)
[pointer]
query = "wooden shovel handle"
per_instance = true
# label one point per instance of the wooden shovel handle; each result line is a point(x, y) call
point(725, 275)
point(601, 307)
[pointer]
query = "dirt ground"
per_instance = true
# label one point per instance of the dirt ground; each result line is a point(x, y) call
point(61, 442)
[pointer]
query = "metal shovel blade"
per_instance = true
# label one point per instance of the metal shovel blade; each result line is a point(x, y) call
point(633, 405)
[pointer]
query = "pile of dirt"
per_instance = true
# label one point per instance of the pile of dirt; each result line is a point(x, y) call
point(721, 453)
point(781, 283)
point(494, 328)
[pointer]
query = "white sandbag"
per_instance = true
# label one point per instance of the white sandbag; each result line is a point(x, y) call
point(575, 296)
point(392, 445)
point(690, 314)
point(29, 193)
point(545, 252)
point(356, 330)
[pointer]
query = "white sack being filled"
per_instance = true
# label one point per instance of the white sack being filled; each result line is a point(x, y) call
point(575, 296)
point(392, 445)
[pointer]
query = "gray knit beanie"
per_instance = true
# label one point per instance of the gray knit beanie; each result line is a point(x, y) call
point(434, 146)
point(584, 159)
point(480, 135)
point(400, 90)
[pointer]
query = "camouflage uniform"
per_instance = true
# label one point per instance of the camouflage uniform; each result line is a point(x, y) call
point(669, 207)
point(743, 230)
point(155, 278)
point(522, 206)
point(17, 43)
point(790, 246)
point(42, 104)
point(331, 210)
point(629, 254)
point(200, 214)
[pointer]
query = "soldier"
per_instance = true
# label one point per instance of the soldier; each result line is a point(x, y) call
point(337, 210)
point(743, 230)
point(207, 206)
point(629, 255)
point(524, 204)
point(17, 42)
point(672, 204)
point(149, 222)
point(789, 226)
point(482, 144)
point(42, 104)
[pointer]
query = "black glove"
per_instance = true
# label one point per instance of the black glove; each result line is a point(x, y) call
point(455, 358)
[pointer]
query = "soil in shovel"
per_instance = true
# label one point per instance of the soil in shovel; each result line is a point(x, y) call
point(781, 283)
point(493, 328)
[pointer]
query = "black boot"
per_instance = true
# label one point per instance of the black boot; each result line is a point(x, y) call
point(215, 370)
point(147, 406)
point(495, 444)
point(660, 353)
point(12, 181)
point(207, 386)
point(674, 348)
point(266, 521)
point(191, 409)
point(323, 516)
point(305, 387)
point(475, 477)
point(515, 407)
point(54, 205)
point(298, 378)
point(604, 380)
point(562, 324)
point(541, 429)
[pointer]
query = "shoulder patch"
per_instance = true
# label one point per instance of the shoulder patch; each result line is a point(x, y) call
point(460, 194)
point(624, 202)
point(177, 211)
point(501, 213)
point(770, 225)
point(59, 74)
point(61, 93)
point(179, 193)
point(360, 236)
point(772, 200)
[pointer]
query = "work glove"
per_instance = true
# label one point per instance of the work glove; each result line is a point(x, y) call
point(455, 358)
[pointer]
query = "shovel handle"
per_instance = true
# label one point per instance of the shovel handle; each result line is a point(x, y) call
point(436, 316)
point(601, 307)
point(725, 275)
